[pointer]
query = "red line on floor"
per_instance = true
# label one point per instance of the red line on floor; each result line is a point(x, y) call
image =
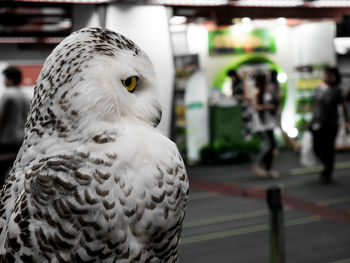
point(260, 194)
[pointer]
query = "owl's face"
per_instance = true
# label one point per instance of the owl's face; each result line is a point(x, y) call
point(121, 87)
point(96, 75)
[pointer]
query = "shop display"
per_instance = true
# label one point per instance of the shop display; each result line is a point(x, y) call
point(185, 66)
point(306, 83)
point(227, 143)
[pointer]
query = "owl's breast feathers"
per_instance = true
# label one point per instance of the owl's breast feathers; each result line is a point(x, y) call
point(97, 203)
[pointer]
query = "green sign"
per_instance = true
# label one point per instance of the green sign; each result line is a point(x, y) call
point(237, 41)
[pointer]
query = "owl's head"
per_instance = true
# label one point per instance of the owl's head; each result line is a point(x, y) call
point(96, 74)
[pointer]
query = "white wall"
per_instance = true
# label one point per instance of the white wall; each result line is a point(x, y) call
point(179, 42)
point(313, 43)
point(284, 58)
point(148, 27)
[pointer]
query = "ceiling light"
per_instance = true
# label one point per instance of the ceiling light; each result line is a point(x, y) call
point(284, 3)
point(281, 20)
point(246, 20)
point(191, 2)
point(331, 3)
point(342, 45)
point(247, 24)
point(178, 20)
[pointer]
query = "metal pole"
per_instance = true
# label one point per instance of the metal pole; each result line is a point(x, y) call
point(277, 246)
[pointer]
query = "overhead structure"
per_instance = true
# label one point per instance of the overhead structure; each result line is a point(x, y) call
point(224, 12)
point(49, 21)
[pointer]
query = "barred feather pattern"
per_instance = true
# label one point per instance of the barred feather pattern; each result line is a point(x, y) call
point(94, 181)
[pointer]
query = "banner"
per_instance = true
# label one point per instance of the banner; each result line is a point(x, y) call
point(236, 40)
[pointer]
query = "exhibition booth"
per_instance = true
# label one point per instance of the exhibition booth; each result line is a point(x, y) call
point(291, 47)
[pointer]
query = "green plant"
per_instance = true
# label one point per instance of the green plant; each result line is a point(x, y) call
point(225, 150)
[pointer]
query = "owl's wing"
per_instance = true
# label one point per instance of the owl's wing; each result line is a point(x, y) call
point(14, 225)
point(5, 195)
point(165, 208)
point(66, 215)
point(53, 216)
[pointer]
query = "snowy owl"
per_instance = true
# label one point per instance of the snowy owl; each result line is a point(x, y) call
point(94, 180)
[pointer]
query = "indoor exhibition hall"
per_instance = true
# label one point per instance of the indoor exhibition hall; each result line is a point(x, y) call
point(238, 116)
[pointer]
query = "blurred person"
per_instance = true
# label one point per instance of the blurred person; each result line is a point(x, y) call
point(324, 121)
point(239, 94)
point(237, 86)
point(276, 89)
point(347, 95)
point(347, 111)
point(14, 107)
point(265, 103)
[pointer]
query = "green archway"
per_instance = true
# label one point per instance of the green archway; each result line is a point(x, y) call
point(246, 59)
point(225, 122)
point(240, 60)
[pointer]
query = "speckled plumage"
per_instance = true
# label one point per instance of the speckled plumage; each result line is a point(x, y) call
point(94, 180)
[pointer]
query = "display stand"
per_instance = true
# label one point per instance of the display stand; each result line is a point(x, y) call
point(185, 66)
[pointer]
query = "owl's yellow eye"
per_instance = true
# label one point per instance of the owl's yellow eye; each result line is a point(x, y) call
point(130, 83)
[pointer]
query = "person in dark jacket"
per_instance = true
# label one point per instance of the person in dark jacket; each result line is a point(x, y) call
point(324, 123)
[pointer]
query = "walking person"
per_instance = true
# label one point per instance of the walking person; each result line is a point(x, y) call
point(276, 89)
point(264, 122)
point(324, 122)
point(14, 107)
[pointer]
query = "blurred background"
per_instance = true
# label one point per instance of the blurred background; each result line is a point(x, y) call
point(193, 45)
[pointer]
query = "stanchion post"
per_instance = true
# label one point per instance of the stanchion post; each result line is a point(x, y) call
point(277, 244)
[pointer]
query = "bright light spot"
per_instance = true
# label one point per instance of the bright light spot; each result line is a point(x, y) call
point(281, 20)
point(342, 45)
point(246, 20)
point(293, 132)
point(191, 2)
point(282, 77)
point(277, 3)
point(331, 3)
point(247, 24)
point(177, 20)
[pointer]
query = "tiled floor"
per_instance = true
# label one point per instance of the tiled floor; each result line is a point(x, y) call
point(228, 217)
